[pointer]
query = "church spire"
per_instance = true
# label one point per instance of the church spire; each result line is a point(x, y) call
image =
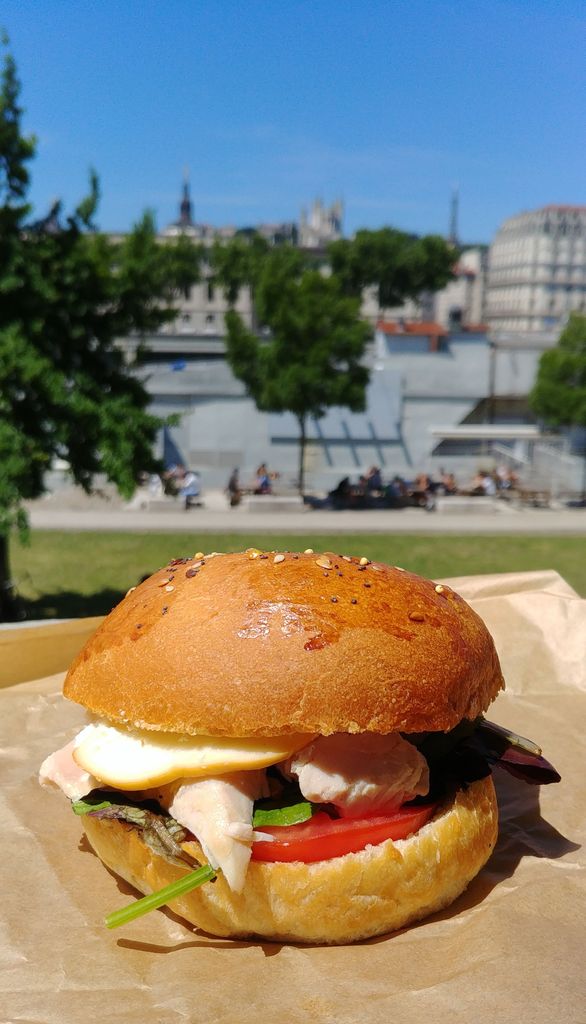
point(185, 207)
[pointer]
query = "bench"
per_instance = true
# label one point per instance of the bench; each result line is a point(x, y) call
point(148, 503)
point(536, 497)
point(464, 504)
point(274, 503)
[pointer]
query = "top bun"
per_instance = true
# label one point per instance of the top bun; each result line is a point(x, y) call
point(261, 644)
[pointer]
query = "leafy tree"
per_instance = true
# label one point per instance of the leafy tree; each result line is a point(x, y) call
point(559, 393)
point(237, 263)
point(312, 356)
point(67, 294)
point(400, 266)
point(240, 262)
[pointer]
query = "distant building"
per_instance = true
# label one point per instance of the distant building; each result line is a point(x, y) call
point(461, 305)
point(537, 270)
point(432, 402)
point(439, 381)
point(187, 225)
point(201, 312)
point(323, 225)
point(402, 336)
point(208, 233)
point(458, 306)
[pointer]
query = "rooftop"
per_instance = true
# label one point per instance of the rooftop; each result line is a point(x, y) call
point(564, 208)
point(425, 329)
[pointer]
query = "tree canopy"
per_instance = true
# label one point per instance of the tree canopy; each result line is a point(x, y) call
point(68, 293)
point(399, 265)
point(310, 355)
point(559, 393)
point(237, 263)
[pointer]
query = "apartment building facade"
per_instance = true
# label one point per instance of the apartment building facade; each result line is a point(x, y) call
point(537, 270)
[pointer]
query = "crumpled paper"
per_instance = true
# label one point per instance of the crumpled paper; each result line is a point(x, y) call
point(510, 949)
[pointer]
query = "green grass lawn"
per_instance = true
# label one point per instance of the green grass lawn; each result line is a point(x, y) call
point(75, 574)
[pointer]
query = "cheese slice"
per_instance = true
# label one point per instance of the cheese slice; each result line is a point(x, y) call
point(137, 759)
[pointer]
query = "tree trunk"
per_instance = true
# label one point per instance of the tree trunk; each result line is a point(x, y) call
point(254, 324)
point(302, 445)
point(9, 606)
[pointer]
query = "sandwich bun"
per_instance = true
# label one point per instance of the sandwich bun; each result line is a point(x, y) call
point(264, 644)
point(356, 896)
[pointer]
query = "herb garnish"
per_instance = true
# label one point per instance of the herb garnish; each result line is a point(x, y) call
point(160, 898)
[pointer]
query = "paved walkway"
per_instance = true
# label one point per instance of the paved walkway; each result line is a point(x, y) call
point(217, 517)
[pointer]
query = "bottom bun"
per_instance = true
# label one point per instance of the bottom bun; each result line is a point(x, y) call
point(357, 896)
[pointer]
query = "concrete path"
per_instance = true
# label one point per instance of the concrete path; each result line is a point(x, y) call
point(217, 517)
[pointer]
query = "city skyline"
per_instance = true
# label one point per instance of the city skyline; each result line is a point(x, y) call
point(388, 106)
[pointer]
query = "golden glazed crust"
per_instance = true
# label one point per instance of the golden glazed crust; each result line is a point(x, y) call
point(255, 644)
point(357, 896)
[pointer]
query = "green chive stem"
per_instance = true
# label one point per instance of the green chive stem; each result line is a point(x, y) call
point(158, 899)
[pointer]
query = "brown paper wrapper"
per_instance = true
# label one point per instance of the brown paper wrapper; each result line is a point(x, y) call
point(510, 949)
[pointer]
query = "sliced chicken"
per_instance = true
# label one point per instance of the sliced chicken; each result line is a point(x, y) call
point(59, 769)
point(361, 774)
point(218, 810)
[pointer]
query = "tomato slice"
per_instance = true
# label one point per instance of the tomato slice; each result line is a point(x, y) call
point(322, 837)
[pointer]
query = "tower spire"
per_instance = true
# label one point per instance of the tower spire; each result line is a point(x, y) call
point(185, 207)
point(454, 204)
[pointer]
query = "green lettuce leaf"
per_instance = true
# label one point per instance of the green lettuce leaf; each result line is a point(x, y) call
point(88, 804)
point(289, 814)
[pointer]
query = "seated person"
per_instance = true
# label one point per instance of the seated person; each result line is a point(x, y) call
point(171, 480)
point(190, 488)
point(449, 483)
point(340, 495)
point(421, 490)
point(374, 480)
point(262, 482)
point(477, 486)
point(397, 487)
point(489, 484)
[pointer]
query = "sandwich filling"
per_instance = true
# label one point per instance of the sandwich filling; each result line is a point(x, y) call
point(355, 775)
point(312, 797)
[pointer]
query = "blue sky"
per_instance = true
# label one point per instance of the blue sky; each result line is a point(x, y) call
point(273, 102)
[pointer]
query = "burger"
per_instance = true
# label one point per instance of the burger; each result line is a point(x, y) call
point(289, 746)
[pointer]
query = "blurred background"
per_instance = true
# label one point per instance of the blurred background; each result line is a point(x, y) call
point(289, 269)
